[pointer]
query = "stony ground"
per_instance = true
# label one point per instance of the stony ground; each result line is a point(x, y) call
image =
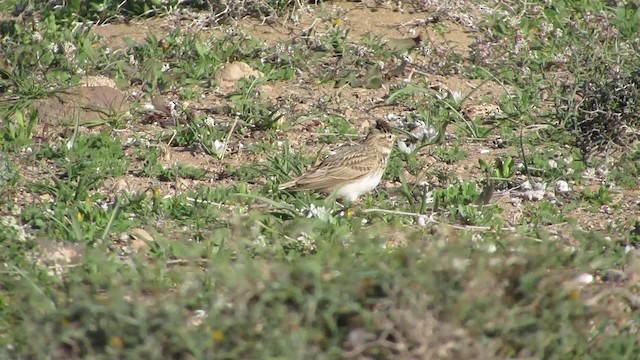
point(142, 216)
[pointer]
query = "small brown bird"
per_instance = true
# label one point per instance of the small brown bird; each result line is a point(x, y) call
point(354, 170)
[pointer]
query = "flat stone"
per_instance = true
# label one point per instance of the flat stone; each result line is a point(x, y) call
point(86, 103)
point(235, 71)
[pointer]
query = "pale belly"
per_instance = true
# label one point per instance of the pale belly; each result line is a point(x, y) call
point(352, 191)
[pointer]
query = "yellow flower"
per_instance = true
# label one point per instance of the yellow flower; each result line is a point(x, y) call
point(164, 45)
point(573, 295)
point(217, 335)
point(335, 22)
point(116, 341)
point(79, 216)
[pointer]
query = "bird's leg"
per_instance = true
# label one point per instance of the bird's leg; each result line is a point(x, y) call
point(339, 205)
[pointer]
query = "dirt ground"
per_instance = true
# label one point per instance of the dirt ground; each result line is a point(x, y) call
point(481, 292)
point(355, 104)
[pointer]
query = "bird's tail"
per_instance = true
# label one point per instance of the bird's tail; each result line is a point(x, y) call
point(288, 185)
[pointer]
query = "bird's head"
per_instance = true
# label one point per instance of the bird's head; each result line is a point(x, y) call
point(381, 136)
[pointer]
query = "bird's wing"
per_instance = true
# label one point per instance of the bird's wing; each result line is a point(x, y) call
point(335, 170)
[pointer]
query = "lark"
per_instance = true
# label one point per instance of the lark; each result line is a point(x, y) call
point(352, 171)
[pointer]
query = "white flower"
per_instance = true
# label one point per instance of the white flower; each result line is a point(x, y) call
point(69, 50)
point(53, 47)
point(422, 131)
point(133, 61)
point(210, 122)
point(130, 141)
point(441, 95)
point(307, 243)
point(392, 116)
point(36, 37)
point(218, 146)
point(403, 147)
point(172, 109)
point(536, 192)
point(319, 212)
point(428, 197)
point(260, 241)
point(562, 186)
point(457, 96)
point(540, 186)
point(602, 172)
point(534, 195)
point(589, 173)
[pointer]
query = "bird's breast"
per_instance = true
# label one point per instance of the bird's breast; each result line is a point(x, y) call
point(363, 185)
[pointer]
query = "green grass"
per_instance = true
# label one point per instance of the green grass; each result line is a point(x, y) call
point(126, 239)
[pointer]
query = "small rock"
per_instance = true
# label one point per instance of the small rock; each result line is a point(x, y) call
point(584, 279)
point(140, 239)
point(485, 112)
point(83, 102)
point(119, 186)
point(235, 71)
point(99, 80)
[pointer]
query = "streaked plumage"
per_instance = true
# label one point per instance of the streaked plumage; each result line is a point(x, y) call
point(352, 171)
